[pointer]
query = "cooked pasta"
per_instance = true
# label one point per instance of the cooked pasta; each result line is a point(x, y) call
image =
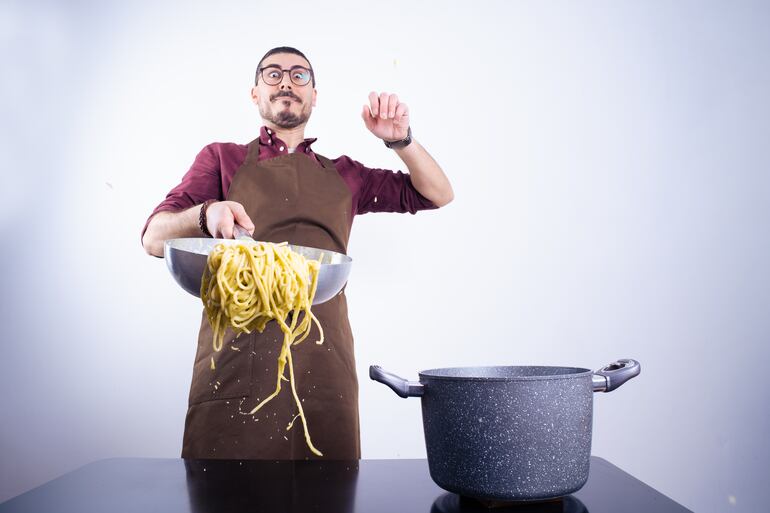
point(246, 285)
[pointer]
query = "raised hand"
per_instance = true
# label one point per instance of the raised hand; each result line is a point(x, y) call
point(386, 117)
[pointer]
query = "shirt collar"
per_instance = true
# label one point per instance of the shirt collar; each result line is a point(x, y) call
point(268, 137)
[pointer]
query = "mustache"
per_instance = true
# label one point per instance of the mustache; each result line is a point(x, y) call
point(286, 94)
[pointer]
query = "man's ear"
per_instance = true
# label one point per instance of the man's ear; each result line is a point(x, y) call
point(315, 93)
point(255, 95)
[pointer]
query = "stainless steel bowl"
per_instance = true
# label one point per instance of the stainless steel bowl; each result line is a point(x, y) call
point(186, 260)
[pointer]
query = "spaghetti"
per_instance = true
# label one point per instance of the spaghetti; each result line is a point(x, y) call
point(246, 285)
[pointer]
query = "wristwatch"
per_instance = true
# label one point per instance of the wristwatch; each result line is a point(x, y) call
point(402, 143)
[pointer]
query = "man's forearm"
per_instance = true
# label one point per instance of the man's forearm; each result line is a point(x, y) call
point(170, 225)
point(427, 176)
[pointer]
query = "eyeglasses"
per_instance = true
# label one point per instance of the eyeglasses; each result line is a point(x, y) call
point(273, 75)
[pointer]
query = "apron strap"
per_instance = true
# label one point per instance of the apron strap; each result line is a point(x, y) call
point(252, 156)
point(327, 163)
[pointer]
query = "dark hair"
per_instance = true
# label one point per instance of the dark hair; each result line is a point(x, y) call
point(283, 49)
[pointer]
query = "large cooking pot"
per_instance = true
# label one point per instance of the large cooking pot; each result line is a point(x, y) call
point(515, 433)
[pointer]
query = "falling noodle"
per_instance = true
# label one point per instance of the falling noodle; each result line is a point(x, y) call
point(246, 285)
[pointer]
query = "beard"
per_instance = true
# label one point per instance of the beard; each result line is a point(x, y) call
point(284, 118)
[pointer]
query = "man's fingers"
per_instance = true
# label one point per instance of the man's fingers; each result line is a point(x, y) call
point(384, 105)
point(368, 119)
point(387, 106)
point(374, 103)
point(225, 225)
point(402, 115)
point(392, 105)
point(226, 230)
point(241, 217)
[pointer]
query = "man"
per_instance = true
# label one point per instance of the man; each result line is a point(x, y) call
point(279, 189)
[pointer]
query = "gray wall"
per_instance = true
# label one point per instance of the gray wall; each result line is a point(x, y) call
point(611, 172)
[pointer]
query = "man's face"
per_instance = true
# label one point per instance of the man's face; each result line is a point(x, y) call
point(286, 105)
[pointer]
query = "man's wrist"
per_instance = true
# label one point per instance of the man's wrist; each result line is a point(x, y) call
point(202, 220)
point(394, 145)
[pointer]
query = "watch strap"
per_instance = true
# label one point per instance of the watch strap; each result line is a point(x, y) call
point(402, 143)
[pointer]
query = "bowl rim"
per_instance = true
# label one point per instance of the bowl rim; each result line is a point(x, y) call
point(202, 246)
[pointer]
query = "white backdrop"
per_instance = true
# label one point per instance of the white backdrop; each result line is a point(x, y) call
point(611, 190)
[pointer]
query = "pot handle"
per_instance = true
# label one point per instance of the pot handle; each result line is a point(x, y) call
point(399, 385)
point(611, 376)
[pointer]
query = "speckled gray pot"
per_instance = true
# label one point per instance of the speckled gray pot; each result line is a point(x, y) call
point(509, 433)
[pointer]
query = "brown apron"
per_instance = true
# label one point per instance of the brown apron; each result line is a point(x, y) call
point(289, 198)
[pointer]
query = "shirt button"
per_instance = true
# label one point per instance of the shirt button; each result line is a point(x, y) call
point(281, 148)
point(307, 150)
point(269, 131)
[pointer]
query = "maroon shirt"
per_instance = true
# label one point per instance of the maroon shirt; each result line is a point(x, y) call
point(372, 190)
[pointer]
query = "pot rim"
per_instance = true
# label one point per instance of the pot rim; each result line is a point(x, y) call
point(568, 373)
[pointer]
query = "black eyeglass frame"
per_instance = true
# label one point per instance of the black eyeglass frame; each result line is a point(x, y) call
point(261, 70)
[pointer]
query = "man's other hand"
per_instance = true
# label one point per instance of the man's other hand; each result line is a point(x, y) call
point(386, 117)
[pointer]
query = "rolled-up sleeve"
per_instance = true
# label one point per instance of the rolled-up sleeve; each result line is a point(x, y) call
point(200, 183)
point(383, 190)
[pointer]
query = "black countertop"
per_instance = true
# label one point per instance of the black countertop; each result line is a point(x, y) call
point(123, 485)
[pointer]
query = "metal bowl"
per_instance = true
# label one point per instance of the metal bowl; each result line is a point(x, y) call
point(186, 260)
